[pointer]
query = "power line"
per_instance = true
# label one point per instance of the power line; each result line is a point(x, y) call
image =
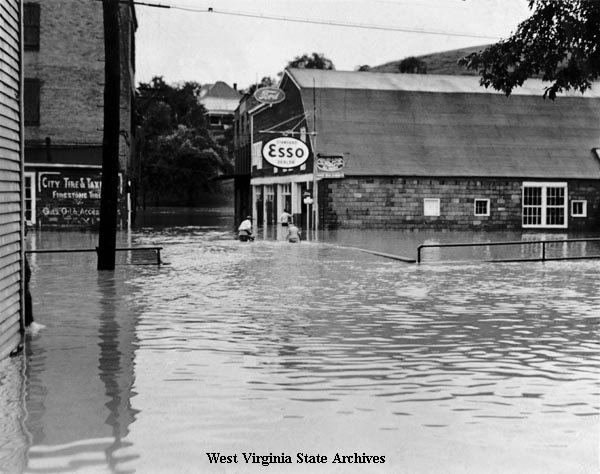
point(318, 22)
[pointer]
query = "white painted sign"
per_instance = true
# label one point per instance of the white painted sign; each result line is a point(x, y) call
point(269, 95)
point(330, 166)
point(285, 152)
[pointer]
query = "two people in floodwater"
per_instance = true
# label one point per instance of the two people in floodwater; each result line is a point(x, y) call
point(287, 220)
point(245, 229)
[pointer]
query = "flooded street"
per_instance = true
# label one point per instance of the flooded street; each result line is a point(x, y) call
point(274, 348)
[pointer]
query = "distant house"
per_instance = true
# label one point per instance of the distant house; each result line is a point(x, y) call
point(428, 152)
point(63, 110)
point(11, 176)
point(220, 101)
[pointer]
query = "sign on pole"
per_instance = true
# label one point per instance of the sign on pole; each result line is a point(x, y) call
point(285, 152)
point(329, 166)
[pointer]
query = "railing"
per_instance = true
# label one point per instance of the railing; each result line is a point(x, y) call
point(155, 251)
point(542, 258)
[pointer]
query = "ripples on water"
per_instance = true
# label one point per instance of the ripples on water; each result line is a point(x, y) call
point(274, 347)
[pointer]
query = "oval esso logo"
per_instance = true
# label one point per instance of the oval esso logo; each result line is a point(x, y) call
point(285, 152)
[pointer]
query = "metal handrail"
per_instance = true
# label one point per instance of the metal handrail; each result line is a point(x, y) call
point(118, 249)
point(513, 242)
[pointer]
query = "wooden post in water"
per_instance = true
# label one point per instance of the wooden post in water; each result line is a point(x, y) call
point(110, 141)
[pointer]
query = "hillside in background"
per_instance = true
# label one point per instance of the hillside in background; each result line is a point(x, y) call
point(444, 62)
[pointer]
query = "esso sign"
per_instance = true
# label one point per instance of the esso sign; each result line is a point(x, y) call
point(285, 152)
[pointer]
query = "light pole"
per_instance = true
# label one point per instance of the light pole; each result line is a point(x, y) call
point(308, 200)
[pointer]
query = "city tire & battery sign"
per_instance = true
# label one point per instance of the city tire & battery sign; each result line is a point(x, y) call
point(285, 152)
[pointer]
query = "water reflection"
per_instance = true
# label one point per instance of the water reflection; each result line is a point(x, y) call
point(13, 435)
point(80, 368)
point(316, 348)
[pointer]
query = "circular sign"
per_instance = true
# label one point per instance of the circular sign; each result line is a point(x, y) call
point(269, 95)
point(285, 152)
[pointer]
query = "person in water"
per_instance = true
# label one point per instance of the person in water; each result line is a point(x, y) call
point(286, 218)
point(245, 230)
point(294, 235)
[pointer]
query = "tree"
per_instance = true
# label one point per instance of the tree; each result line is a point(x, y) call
point(178, 157)
point(312, 61)
point(559, 42)
point(264, 82)
point(412, 65)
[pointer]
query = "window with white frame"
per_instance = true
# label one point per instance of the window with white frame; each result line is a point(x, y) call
point(257, 155)
point(431, 207)
point(30, 198)
point(482, 207)
point(269, 193)
point(286, 196)
point(303, 134)
point(579, 208)
point(544, 205)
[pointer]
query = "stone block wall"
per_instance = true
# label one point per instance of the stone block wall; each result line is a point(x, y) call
point(397, 203)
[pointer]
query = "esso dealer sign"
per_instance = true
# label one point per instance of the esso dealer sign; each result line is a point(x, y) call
point(285, 152)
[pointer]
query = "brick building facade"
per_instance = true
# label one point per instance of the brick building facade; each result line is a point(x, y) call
point(64, 87)
point(429, 152)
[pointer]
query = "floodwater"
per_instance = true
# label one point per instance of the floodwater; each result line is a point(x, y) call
point(314, 348)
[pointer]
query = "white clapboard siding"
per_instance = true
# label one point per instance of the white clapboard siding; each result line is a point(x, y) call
point(11, 170)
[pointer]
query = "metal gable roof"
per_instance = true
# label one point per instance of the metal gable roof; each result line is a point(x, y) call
point(415, 125)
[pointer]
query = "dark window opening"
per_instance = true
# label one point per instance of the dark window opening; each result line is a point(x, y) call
point(31, 96)
point(31, 26)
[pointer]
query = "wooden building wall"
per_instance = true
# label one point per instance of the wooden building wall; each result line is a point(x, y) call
point(277, 117)
point(11, 172)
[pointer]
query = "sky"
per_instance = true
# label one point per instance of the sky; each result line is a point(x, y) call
point(241, 41)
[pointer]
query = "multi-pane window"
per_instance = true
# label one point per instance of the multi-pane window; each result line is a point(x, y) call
point(31, 96)
point(257, 155)
point(269, 193)
point(545, 205)
point(482, 207)
point(30, 198)
point(31, 26)
point(579, 208)
point(286, 195)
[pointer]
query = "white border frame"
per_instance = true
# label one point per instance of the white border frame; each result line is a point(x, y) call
point(432, 201)
point(487, 214)
point(545, 185)
point(584, 213)
point(32, 176)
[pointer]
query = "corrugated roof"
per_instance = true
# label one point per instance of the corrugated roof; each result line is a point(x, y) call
point(419, 125)
point(326, 79)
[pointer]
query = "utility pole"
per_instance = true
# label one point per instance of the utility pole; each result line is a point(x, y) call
point(110, 141)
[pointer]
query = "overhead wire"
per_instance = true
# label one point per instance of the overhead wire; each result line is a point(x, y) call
point(335, 23)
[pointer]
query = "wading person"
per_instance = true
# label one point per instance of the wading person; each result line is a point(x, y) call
point(286, 218)
point(293, 234)
point(245, 230)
